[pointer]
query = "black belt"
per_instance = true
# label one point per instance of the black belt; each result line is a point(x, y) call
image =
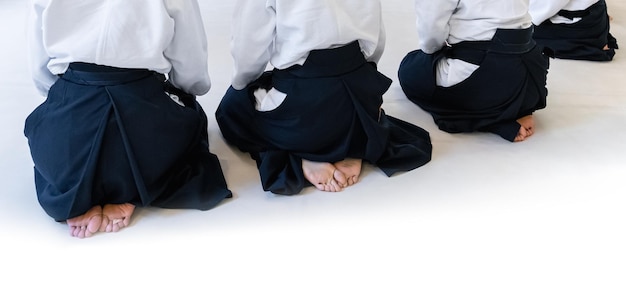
point(505, 41)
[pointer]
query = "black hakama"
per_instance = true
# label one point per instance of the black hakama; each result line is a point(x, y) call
point(332, 112)
point(109, 136)
point(583, 40)
point(509, 84)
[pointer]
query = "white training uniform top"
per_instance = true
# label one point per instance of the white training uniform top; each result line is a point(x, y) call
point(542, 10)
point(283, 32)
point(452, 21)
point(166, 36)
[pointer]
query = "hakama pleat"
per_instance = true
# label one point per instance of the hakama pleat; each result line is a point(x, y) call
point(583, 40)
point(109, 136)
point(506, 87)
point(332, 112)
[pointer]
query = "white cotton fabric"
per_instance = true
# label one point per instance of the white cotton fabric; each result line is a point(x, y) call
point(444, 22)
point(542, 10)
point(268, 100)
point(166, 36)
point(281, 33)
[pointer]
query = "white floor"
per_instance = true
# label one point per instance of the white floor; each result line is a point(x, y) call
point(484, 218)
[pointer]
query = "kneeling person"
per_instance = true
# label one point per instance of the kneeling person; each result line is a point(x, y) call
point(316, 116)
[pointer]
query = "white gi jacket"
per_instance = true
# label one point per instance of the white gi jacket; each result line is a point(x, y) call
point(453, 21)
point(166, 36)
point(283, 32)
point(541, 10)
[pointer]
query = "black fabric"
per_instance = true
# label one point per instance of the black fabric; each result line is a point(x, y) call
point(506, 86)
point(506, 41)
point(107, 136)
point(332, 112)
point(583, 40)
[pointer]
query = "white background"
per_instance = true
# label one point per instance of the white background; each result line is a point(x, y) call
point(485, 217)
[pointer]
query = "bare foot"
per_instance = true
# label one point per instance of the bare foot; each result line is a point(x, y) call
point(324, 176)
point(116, 216)
point(87, 224)
point(606, 47)
point(351, 168)
point(527, 128)
point(610, 18)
